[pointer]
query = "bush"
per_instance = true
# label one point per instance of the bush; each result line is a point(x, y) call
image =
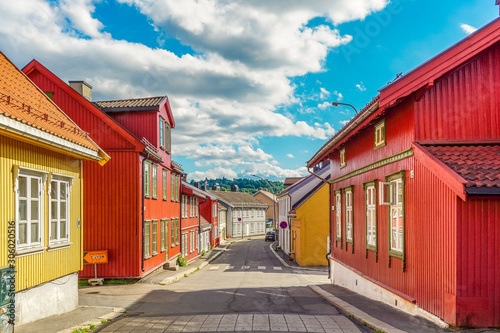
point(202, 253)
point(182, 261)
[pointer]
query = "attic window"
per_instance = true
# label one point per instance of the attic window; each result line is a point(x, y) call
point(342, 158)
point(49, 94)
point(379, 134)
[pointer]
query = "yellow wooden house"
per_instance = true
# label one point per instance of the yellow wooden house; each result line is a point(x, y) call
point(309, 226)
point(41, 156)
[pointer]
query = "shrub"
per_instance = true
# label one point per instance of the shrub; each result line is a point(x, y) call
point(182, 261)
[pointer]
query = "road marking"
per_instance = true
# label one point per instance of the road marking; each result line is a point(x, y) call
point(261, 267)
point(277, 268)
point(245, 267)
point(213, 268)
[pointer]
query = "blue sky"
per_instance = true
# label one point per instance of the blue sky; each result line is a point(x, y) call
point(250, 82)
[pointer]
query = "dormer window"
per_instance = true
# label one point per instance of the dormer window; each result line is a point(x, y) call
point(379, 134)
point(162, 132)
point(342, 158)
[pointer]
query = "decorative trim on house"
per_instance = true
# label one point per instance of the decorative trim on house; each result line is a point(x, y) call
point(380, 163)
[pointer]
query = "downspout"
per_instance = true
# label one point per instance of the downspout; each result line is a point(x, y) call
point(143, 209)
point(199, 224)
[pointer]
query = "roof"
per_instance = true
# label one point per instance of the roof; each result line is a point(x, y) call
point(28, 114)
point(190, 189)
point(238, 199)
point(291, 180)
point(204, 224)
point(417, 80)
point(267, 194)
point(439, 65)
point(34, 65)
point(479, 165)
point(133, 104)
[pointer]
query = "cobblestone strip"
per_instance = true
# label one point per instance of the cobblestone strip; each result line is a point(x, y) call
point(328, 324)
point(227, 323)
point(346, 325)
point(311, 323)
point(278, 323)
point(244, 322)
point(294, 323)
point(179, 324)
point(195, 324)
point(261, 322)
point(211, 323)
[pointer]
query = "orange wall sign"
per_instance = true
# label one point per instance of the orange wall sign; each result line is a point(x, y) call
point(95, 257)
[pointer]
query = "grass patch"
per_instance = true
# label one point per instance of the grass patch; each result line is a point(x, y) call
point(119, 281)
point(83, 283)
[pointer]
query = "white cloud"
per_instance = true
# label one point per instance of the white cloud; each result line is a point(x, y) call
point(290, 155)
point(468, 29)
point(361, 87)
point(344, 122)
point(224, 96)
point(268, 170)
point(213, 174)
point(324, 105)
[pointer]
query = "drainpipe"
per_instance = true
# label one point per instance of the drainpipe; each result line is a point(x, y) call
point(143, 208)
point(199, 224)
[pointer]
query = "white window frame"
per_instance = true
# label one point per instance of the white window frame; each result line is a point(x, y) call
point(68, 181)
point(379, 134)
point(147, 239)
point(338, 215)
point(348, 215)
point(41, 176)
point(342, 159)
point(371, 216)
point(396, 211)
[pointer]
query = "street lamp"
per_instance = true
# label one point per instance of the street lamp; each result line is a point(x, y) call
point(338, 103)
point(274, 201)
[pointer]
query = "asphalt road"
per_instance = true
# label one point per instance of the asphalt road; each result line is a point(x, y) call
point(244, 289)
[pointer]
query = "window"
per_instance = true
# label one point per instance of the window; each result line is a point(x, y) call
point(147, 180)
point(342, 158)
point(155, 237)
point(29, 201)
point(173, 233)
point(165, 177)
point(195, 206)
point(177, 231)
point(154, 186)
point(348, 215)
point(338, 215)
point(147, 239)
point(184, 244)
point(393, 195)
point(172, 187)
point(163, 234)
point(167, 137)
point(371, 215)
point(59, 211)
point(191, 241)
point(162, 132)
point(379, 134)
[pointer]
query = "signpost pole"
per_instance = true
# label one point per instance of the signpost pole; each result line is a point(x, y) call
point(95, 271)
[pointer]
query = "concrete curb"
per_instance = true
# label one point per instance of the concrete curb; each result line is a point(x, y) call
point(356, 313)
point(284, 263)
point(190, 271)
point(117, 312)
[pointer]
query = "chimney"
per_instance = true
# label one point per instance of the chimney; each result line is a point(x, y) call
point(203, 187)
point(260, 188)
point(234, 188)
point(83, 88)
point(216, 187)
point(196, 184)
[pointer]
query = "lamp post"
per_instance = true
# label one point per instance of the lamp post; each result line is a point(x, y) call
point(338, 103)
point(274, 201)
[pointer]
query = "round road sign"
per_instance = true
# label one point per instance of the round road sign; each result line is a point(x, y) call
point(283, 224)
point(239, 219)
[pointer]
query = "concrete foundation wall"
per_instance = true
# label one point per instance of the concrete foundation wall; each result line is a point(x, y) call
point(349, 279)
point(52, 298)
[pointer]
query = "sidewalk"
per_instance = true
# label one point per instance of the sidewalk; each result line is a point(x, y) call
point(377, 315)
point(95, 316)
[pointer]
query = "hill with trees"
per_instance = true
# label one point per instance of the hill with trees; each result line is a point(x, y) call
point(244, 184)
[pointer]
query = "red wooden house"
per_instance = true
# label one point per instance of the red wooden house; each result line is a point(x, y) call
point(190, 220)
point(415, 189)
point(131, 206)
point(209, 211)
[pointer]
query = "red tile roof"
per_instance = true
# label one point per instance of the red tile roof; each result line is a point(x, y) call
point(23, 101)
point(479, 165)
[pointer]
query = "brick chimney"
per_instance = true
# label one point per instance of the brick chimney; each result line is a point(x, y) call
point(234, 188)
point(83, 88)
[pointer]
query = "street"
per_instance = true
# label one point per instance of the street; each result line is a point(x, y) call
point(245, 289)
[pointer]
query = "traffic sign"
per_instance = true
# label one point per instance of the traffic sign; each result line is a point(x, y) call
point(283, 224)
point(239, 219)
point(95, 257)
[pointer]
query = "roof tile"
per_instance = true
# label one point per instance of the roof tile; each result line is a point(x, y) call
point(479, 165)
point(23, 101)
point(133, 104)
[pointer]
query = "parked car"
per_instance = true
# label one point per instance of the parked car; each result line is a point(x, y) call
point(270, 236)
